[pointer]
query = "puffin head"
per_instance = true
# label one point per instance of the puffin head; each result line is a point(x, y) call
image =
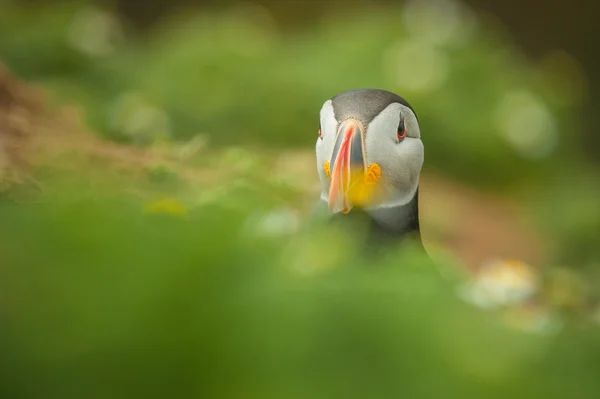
point(369, 151)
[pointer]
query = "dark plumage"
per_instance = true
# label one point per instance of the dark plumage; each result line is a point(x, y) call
point(401, 230)
point(365, 104)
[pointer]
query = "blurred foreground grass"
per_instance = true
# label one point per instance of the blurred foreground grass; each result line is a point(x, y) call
point(103, 299)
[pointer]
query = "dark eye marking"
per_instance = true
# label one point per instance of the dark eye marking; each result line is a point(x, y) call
point(320, 131)
point(401, 130)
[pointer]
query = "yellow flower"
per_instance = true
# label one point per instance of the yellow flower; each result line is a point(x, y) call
point(167, 205)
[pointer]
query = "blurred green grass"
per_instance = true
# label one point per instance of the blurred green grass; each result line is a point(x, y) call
point(102, 299)
point(239, 78)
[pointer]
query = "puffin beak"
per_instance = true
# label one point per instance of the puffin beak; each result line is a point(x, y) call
point(351, 183)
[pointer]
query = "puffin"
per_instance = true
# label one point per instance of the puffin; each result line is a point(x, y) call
point(369, 156)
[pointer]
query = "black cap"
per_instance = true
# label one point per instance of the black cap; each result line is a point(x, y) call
point(365, 104)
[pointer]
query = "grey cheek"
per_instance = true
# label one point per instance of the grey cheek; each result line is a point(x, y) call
point(336, 147)
point(356, 154)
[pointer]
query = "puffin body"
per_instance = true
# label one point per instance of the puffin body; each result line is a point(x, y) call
point(369, 157)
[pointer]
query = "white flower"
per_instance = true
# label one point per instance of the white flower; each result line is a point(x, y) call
point(501, 283)
point(275, 223)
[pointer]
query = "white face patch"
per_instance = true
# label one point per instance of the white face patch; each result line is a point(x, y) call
point(324, 145)
point(400, 162)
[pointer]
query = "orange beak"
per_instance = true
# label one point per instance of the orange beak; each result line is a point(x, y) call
point(348, 168)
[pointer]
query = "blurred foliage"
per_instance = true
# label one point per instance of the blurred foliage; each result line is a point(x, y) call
point(235, 77)
point(101, 298)
point(239, 78)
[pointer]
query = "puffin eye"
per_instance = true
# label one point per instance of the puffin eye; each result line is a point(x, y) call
point(401, 131)
point(320, 132)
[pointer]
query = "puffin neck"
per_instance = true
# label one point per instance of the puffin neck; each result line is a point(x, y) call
point(400, 220)
point(388, 225)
